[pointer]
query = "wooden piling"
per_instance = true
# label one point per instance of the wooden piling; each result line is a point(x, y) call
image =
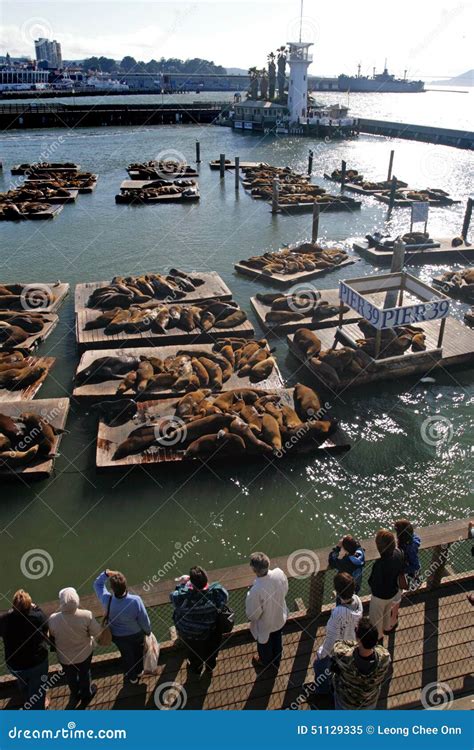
point(467, 219)
point(198, 152)
point(343, 174)
point(222, 165)
point(275, 196)
point(390, 166)
point(398, 261)
point(315, 227)
point(391, 201)
point(310, 161)
point(237, 172)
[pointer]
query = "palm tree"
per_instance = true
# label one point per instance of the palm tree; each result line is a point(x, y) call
point(253, 89)
point(281, 63)
point(263, 84)
point(271, 75)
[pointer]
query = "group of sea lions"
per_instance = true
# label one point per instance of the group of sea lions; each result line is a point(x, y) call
point(33, 193)
point(306, 257)
point(146, 194)
point(331, 365)
point(18, 371)
point(160, 318)
point(266, 191)
point(46, 165)
point(458, 282)
point(341, 201)
point(187, 370)
point(124, 291)
point(151, 169)
point(25, 438)
point(17, 327)
point(426, 194)
point(36, 196)
point(237, 422)
point(11, 295)
point(18, 211)
point(394, 341)
point(82, 181)
point(285, 308)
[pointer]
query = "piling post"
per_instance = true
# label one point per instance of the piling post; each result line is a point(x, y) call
point(391, 203)
point(310, 161)
point(275, 194)
point(467, 219)
point(222, 165)
point(315, 227)
point(198, 152)
point(343, 174)
point(398, 261)
point(390, 166)
point(237, 172)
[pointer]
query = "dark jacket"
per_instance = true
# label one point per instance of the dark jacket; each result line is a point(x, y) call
point(195, 612)
point(383, 580)
point(410, 551)
point(352, 564)
point(24, 638)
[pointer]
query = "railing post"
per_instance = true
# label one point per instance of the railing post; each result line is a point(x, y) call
point(437, 565)
point(316, 593)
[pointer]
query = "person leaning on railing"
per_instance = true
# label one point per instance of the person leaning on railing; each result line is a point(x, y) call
point(128, 621)
point(352, 560)
point(384, 582)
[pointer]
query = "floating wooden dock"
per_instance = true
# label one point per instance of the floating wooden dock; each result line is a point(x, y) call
point(37, 180)
point(34, 297)
point(353, 187)
point(443, 253)
point(108, 388)
point(97, 339)
point(108, 438)
point(293, 208)
point(214, 288)
point(35, 169)
point(329, 295)
point(137, 200)
point(408, 202)
point(465, 292)
point(50, 323)
point(55, 411)
point(29, 391)
point(145, 184)
point(286, 280)
point(61, 200)
point(180, 174)
point(49, 213)
point(216, 164)
point(457, 349)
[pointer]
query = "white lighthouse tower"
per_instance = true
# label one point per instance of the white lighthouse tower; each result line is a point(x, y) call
point(299, 59)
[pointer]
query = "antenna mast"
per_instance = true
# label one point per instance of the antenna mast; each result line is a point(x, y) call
point(301, 18)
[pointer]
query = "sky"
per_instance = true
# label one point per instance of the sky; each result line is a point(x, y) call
point(427, 37)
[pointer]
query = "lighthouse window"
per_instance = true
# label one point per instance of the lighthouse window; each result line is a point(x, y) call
point(304, 78)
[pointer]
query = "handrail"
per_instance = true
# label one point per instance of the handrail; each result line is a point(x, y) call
point(435, 537)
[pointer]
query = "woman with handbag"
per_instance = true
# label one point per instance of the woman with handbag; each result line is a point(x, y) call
point(73, 631)
point(386, 582)
point(201, 616)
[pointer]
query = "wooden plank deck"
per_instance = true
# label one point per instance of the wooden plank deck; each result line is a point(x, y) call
point(444, 253)
point(108, 438)
point(97, 339)
point(214, 287)
point(55, 411)
point(286, 280)
point(135, 200)
point(108, 389)
point(408, 202)
point(35, 293)
point(49, 213)
point(457, 349)
point(140, 184)
point(431, 645)
point(183, 172)
point(329, 295)
point(33, 341)
point(30, 391)
point(329, 206)
point(215, 164)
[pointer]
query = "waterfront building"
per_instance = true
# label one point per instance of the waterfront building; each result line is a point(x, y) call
point(49, 51)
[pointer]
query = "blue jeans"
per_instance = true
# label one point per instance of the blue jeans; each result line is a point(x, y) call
point(78, 678)
point(271, 651)
point(323, 676)
point(131, 651)
point(32, 685)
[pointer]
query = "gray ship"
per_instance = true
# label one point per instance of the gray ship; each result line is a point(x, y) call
point(380, 83)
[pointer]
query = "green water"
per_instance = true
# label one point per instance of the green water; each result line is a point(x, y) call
point(139, 521)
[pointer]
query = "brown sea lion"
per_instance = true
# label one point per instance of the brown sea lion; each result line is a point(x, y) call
point(325, 373)
point(198, 427)
point(252, 442)
point(307, 403)
point(12, 459)
point(308, 342)
point(10, 428)
point(200, 371)
point(222, 443)
point(214, 371)
point(271, 432)
point(145, 373)
point(128, 382)
point(5, 443)
point(262, 370)
point(232, 320)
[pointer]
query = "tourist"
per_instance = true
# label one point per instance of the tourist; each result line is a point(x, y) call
point(73, 631)
point(196, 606)
point(341, 626)
point(266, 610)
point(24, 630)
point(359, 668)
point(409, 543)
point(352, 560)
point(385, 583)
point(128, 621)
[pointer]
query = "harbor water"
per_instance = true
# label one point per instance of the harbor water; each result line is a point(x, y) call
point(142, 521)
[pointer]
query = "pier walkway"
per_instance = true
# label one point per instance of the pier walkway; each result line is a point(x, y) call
point(431, 649)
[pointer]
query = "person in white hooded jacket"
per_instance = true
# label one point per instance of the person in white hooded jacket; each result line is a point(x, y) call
point(73, 631)
point(266, 610)
point(341, 626)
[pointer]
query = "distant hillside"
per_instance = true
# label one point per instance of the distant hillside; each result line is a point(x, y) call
point(237, 71)
point(465, 79)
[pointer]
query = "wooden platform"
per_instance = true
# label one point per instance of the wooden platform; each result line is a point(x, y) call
point(61, 200)
point(82, 190)
point(50, 213)
point(55, 410)
point(35, 291)
point(291, 208)
point(30, 391)
point(35, 339)
point(408, 202)
point(108, 389)
point(97, 339)
point(189, 171)
point(457, 349)
point(355, 188)
point(141, 184)
point(108, 438)
point(329, 295)
point(286, 280)
point(214, 287)
point(121, 198)
point(465, 293)
point(442, 254)
point(35, 169)
point(215, 164)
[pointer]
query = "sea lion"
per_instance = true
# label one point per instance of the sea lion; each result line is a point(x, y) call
point(262, 370)
point(5, 443)
point(207, 320)
point(6, 366)
point(308, 342)
point(307, 403)
point(202, 426)
point(221, 443)
point(248, 395)
point(268, 299)
point(186, 405)
point(232, 320)
point(283, 316)
point(259, 356)
point(144, 374)
point(128, 382)
point(252, 443)
point(200, 371)
point(106, 368)
point(326, 373)
point(418, 342)
point(162, 380)
point(214, 372)
point(135, 444)
point(228, 352)
point(10, 428)
point(115, 413)
point(26, 376)
point(39, 431)
point(271, 432)
point(102, 320)
point(12, 459)
point(290, 419)
point(339, 359)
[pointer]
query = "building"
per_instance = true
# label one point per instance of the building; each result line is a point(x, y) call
point(255, 114)
point(299, 59)
point(49, 51)
point(15, 78)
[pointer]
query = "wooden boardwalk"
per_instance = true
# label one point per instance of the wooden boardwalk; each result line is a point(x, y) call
point(431, 645)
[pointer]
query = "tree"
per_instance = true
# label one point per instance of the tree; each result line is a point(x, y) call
point(128, 64)
point(271, 75)
point(281, 64)
point(253, 89)
point(263, 84)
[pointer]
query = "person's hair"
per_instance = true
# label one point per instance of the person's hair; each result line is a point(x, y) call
point(344, 585)
point(259, 562)
point(22, 601)
point(385, 542)
point(367, 633)
point(118, 584)
point(404, 531)
point(198, 577)
point(349, 544)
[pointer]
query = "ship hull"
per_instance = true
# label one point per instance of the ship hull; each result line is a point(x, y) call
point(368, 85)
